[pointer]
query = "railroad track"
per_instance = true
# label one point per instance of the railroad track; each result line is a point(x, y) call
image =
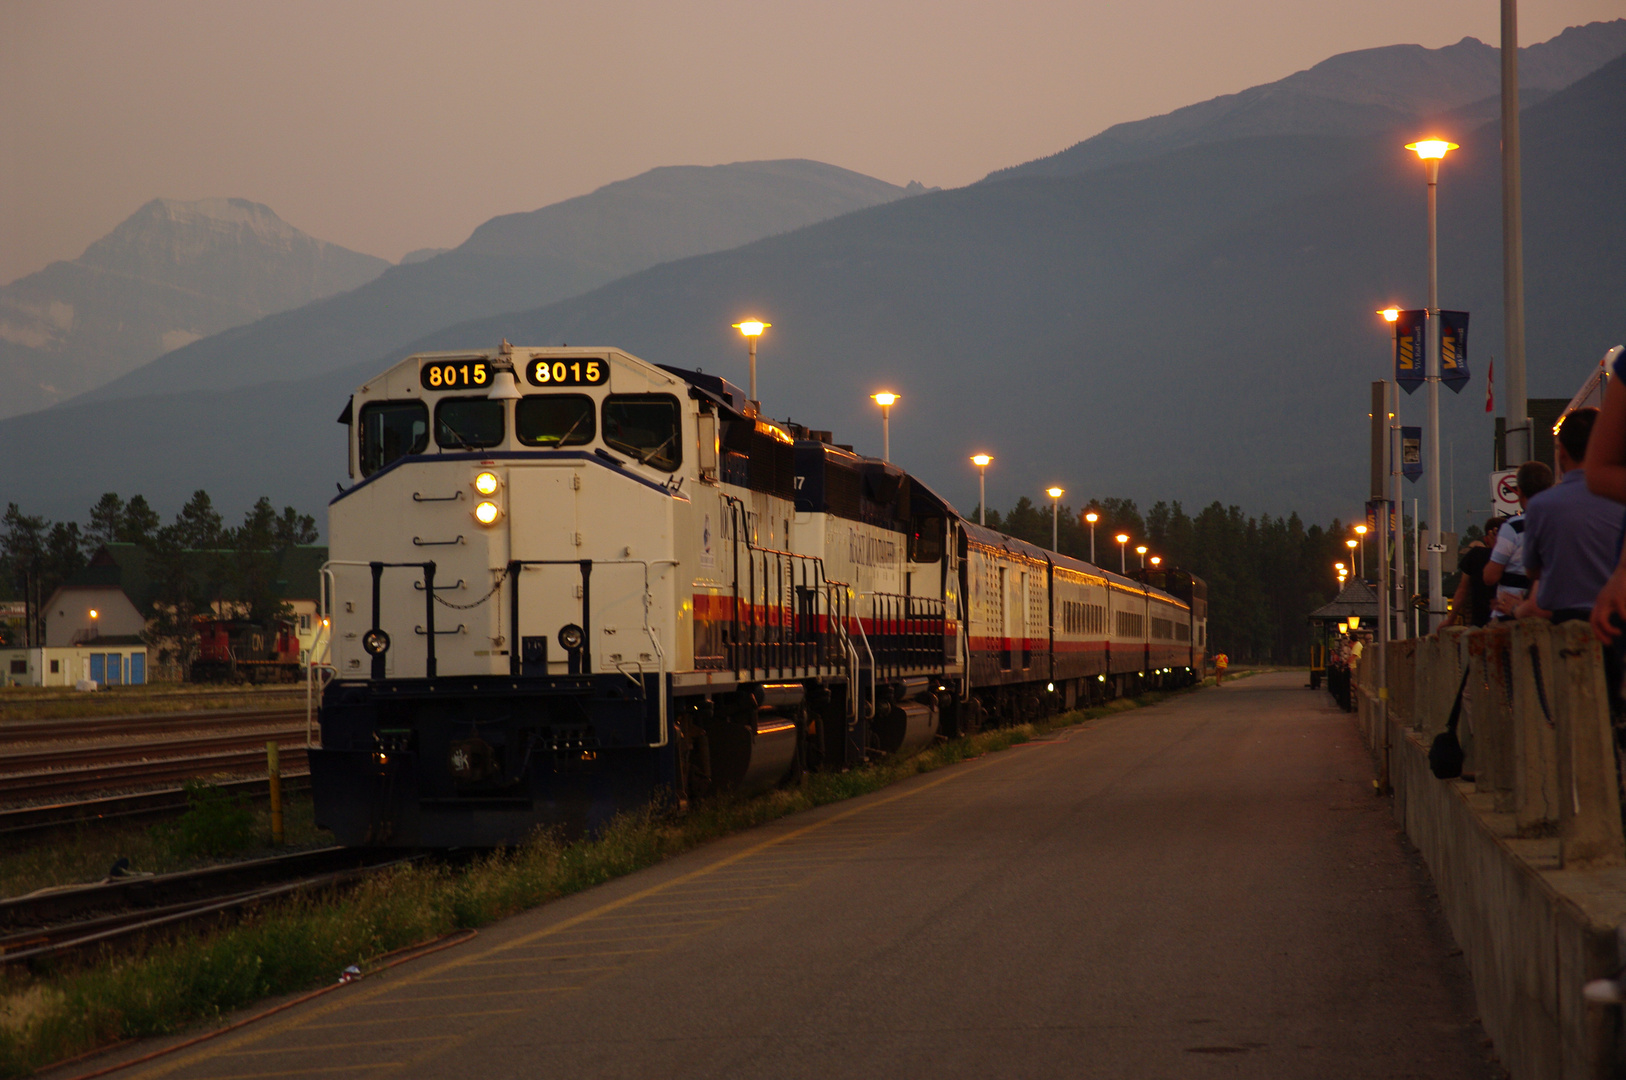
point(109, 808)
point(120, 753)
point(31, 731)
point(22, 787)
point(56, 921)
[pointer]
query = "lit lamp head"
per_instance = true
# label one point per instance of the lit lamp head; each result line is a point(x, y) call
point(752, 328)
point(1390, 314)
point(1431, 149)
point(1053, 492)
point(1338, 566)
point(1122, 538)
point(1092, 517)
point(1157, 560)
point(94, 614)
point(982, 461)
point(1140, 549)
point(1343, 628)
point(884, 399)
point(1350, 544)
point(1360, 530)
point(1354, 622)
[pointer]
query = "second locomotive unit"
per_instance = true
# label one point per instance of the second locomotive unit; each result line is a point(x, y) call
point(566, 582)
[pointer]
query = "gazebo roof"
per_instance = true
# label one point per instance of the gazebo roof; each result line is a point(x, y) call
point(1358, 598)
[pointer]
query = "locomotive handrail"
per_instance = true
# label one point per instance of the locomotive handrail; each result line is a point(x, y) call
point(378, 569)
point(754, 643)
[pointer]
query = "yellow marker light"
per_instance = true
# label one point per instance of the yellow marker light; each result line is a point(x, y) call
point(1053, 492)
point(752, 327)
point(884, 399)
point(486, 483)
point(487, 513)
point(982, 461)
point(1432, 149)
point(1092, 517)
point(1390, 314)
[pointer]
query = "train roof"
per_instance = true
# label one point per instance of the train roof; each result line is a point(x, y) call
point(996, 539)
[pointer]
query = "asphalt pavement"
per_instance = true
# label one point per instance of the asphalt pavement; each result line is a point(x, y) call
point(1204, 888)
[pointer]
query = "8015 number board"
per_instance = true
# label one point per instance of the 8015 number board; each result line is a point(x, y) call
point(577, 371)
point(455, 375)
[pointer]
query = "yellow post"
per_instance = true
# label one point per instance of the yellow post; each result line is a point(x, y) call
point(273, 772)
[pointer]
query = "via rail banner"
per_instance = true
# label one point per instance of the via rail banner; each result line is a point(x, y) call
point(1409, 356)
point(1411, 453)
point(1454, 349)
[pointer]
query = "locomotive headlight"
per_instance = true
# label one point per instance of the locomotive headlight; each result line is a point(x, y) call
point(487, 483)
point(487, 513)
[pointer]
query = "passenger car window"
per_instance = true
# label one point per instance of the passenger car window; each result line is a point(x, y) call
point(647, 426)
point(555, 420)
point(390, 430)
point(468, 423)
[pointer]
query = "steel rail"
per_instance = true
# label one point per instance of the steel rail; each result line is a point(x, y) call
point(58, 782)
point(33, 761)
point(149, 804)
point(29, 731)
point(55, 921)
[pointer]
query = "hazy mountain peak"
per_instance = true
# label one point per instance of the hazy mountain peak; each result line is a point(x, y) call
point(1354, 93)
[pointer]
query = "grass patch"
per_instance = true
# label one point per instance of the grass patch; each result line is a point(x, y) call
point(85, 852)
point(306, 942)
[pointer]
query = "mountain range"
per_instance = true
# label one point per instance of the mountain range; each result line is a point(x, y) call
point(1194, 323)
point(169, 274)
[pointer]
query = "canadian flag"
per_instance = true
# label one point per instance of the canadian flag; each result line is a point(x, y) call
point(1490, 386)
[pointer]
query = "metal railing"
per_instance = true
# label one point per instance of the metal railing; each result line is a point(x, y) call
point(908, 633)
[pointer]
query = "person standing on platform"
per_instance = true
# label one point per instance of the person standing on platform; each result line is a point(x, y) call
point(1571, 536)
point(1471, 605)
point(1506, 567)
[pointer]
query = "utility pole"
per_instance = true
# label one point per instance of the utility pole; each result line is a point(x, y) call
point(1519, 446)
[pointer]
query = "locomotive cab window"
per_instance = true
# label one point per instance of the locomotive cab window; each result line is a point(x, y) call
point(390, 430)
point(468, 423)
point(647, 426)
point(555, 420)
point(925, 539)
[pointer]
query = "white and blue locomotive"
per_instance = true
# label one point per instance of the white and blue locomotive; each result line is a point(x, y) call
point(566, 582)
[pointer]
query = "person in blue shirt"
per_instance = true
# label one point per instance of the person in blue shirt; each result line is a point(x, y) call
point(1606, 476)
point(1571, 536)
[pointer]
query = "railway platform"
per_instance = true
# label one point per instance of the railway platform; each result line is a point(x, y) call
point(1202, 888)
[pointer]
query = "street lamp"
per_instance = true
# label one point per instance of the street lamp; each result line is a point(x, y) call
point(1157, 560)
point(752, 329)
point(1396, 515)
point(1092, 517)
point(1432, 152)
point(982, 461)
point(1055, 494)
point(885, 400)
point(1141, 551)
point(1122, 538)
point(1360, 532)
point(1351, 545)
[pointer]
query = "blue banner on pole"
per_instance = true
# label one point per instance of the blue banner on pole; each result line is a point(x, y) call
point(1411, 453)
point(1454, 349)
point(1409, 330)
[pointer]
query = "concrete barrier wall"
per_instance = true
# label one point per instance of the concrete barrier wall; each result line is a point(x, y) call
point(1526, 849)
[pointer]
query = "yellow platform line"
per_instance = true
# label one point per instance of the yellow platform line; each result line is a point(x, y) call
point(329, 1047)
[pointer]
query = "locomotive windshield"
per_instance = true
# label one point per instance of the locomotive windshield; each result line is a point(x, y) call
point(468, 423)
point(555, 420)
point(392, 429)
point(647, 426)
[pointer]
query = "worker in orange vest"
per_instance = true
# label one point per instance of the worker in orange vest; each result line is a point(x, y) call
point(1221, 662)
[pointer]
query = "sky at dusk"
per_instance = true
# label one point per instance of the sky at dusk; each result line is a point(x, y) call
point(386, 125)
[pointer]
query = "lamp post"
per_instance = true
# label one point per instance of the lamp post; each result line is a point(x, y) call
point(1352, 545)
point(982, 461)
point(752, 329)
point(1360, 533)
point(885, 401)
point(1122, 538)
point(1397, 519)
point(1141, 551)
point(1432, 151)
point(1055, 494)
point(1092, 517)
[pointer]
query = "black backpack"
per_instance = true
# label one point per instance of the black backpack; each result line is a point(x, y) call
point(1445, 754)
